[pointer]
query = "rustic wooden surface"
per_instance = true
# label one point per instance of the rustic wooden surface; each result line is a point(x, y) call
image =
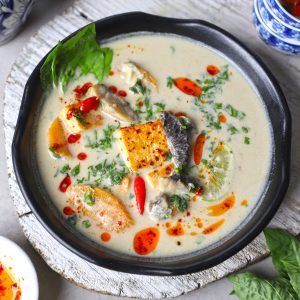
point(233, 16)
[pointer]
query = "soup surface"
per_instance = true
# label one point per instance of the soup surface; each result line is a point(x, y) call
point(167, 156)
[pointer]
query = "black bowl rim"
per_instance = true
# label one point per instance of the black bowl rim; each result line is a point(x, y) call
point(153, 270)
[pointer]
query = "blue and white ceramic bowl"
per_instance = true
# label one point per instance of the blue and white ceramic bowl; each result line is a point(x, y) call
point(282, 14)
point(13, 14)
point(277, 34)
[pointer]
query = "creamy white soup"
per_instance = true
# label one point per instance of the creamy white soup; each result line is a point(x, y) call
point(167, 155)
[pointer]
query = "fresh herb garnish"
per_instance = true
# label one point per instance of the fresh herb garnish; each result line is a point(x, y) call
point(86, 224)
point(78, 115)
point(234, 112)
point(170, 82)
point(65, 169)
point(79, 55)
point(246, 140)
point(75, 171)
point(245, 129)
point(89, 198)
point(138, 88)
point(169, 155)
point(285, 252)
point(105, 142)
point(181, 169)
point(72, 220)
point(184, 122)
point(180, 203)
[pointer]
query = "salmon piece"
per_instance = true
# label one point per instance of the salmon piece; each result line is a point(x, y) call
point(164, 171)
point(57, 139)
point(143, 145)
point(75, 121)
point(99, 205)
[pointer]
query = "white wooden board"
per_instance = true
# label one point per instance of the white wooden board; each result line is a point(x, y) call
point(232, 15)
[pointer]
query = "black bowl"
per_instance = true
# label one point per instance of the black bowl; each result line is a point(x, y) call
point(24, 158)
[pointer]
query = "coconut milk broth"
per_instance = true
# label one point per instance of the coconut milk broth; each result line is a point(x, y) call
point(163, 56)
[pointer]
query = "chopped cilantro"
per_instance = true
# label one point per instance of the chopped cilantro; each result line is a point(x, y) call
point(181, 169)
point(138, 88)
point(245, 129)
point(86, 224)
point(65, 169)
point(72, 220)
point(246, 140)
point(89, 198)
point(170, 82)
point(234, 112)
point(184, 122)
point(75, 171)
point(180, 203)
point(169, 155)
point(232, 129)
point(106, 141)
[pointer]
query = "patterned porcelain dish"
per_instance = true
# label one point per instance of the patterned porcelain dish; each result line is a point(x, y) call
point(290, 33)
point(276, 38)
point(282, 14)
point(13, 14)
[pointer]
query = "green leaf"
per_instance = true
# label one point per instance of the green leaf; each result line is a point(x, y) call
point(247, 286)
point(138, 88)
point(65, 169)
point(180, 203)
point(285, 250)
point(246, 140)
point(86, 224)
point(76, 170)
point(89, 198)
point(81, 53)
point(72, 220)
point(170, 82)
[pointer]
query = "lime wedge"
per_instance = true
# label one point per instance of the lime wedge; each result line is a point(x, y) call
point(218, 173)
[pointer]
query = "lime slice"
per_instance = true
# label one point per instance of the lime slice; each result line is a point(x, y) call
point(218, 173)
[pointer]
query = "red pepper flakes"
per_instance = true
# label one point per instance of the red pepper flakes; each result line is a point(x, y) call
point(113, 89)
point(82, 156)
point(65, 184)
point(68, 211)
point(122, 93)
point(81, 90)
point(73, 138)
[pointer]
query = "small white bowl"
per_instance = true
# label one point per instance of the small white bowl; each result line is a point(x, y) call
point(20, 267)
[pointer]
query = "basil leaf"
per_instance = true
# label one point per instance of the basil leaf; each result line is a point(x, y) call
point(285, 250)
point(75, 171)
point(81, 52)
point(247, 286)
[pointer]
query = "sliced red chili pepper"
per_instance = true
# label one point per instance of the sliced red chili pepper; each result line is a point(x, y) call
point(212, 70)
point(180, 114)
point(122, 93)
point(81, 90)
point(140, 193)
point(89, 104)
point(81, 156)
point(68, 211)
point(65, 184)
point(187, 86)
point(113, 89)
point(72, 111)
point(73, 138)
point(198, 148)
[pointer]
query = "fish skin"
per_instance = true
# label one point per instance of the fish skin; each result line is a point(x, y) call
point(177, 137)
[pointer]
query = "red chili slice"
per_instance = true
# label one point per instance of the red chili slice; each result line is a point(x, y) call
point(212, 70)
point(73, 138)
point(81, 90)
point(65, 184)
point(68, 211)
point(113, 89)
point(89, 104)
point(140, 193)
point(122, 93)
point(180, 114)
point(72, 111)
point(187, 86)
point(81, 156)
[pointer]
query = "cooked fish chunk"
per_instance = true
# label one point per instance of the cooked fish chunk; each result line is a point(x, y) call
point(158, 208)
point(170, 186)
point(111, 104)
point(177, 137)
point(57, 139)
point(164, 171)
point(99, 205)
point(124, 185)
point(75, 121)
point(143, 145)
point(131, 72)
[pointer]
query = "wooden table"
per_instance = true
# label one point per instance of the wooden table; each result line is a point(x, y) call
point(233, 16)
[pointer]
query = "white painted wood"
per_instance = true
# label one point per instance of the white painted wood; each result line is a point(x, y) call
point(232, 15)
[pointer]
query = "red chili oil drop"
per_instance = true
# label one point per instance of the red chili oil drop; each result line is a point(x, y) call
point(81, 156)
point(141, 103)
point(111, 73)
point(113, 89)
point(73, 138)
point(68, 211)
point(122, 93)
point(65, 184)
